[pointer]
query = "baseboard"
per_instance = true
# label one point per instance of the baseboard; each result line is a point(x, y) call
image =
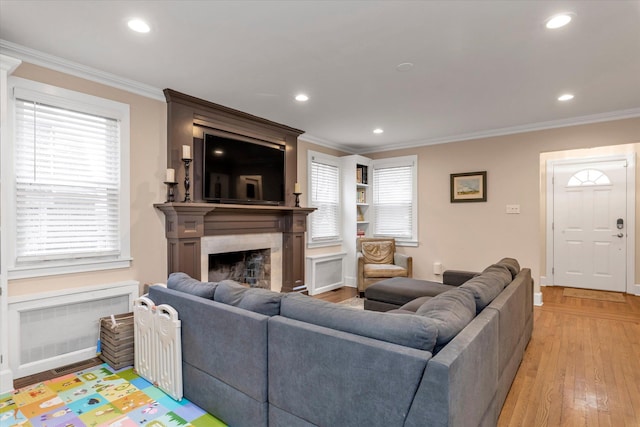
point(324, 289)
point(350, 281)
point(537, 298)
point(636, 289)
point(6, 381)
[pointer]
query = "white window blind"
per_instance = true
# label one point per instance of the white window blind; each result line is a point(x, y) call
point(325, 196)
point(67, 168)
point(393, 200)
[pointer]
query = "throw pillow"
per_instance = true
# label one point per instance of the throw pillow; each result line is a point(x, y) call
point(377, 252)
point(184, 283)
point(452, 311)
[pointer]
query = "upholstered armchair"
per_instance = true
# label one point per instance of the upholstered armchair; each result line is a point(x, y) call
point(377, 260)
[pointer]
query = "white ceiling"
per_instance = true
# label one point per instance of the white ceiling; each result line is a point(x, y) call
point(481, 67)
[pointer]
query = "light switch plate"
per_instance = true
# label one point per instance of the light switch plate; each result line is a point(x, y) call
point(513, 209)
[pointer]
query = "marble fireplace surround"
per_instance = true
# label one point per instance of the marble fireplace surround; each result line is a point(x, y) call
point(244, 242)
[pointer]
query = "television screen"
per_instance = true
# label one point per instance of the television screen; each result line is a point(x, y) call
point(237, 171)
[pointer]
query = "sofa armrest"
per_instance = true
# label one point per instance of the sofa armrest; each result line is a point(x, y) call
point(457, 277)
point(405, 262)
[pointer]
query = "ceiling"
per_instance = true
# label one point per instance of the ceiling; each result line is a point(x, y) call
point(481, 68)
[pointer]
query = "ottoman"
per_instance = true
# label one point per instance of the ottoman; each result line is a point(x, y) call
point(390, 294)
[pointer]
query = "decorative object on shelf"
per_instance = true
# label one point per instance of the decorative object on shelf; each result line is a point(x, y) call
point(186, 158)
point(171, 175)
point(362, 196)
point(170, 192)
point(469, 187)
point(360, 216)
point(297, 193)
point(362, 172)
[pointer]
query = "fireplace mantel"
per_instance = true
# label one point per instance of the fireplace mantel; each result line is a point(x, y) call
point(187, 223)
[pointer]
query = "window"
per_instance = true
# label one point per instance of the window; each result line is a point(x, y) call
point(395, 199)
point(588, 177)
point(324, 183)
point(69, 198)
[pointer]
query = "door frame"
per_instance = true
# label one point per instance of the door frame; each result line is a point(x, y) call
point(631, 287)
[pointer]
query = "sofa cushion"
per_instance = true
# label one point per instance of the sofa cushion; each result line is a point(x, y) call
point(182, 282)
point(511, 264)
point(377, 252)
point(500, 273)
point(452, 311)
point(230, 292)
point(384, 270)
point(262, 301)
point(401, 290)
point(415, 304)
point(410, 331)
point(485, 288)
point(258, 300)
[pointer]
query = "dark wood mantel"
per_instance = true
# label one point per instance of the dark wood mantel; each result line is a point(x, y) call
point(187, 223)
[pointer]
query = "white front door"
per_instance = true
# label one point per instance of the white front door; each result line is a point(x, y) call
point(589, 225)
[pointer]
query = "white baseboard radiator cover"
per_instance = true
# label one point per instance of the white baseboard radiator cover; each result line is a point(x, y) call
point(325, 272)
point(54, 329)
point(158, 349)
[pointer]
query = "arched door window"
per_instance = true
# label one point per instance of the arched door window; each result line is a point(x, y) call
point(588, 177)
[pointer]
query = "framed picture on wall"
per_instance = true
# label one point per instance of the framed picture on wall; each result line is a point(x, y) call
point(469, 187)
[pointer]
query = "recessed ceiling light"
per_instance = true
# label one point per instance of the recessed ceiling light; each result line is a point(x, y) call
point(565, 97)
point(139, 26)
point(405, 66)
point(378, 130)
point(302, 97)
point(559, 20)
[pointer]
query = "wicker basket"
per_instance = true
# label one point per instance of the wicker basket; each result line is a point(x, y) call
point(117, 342)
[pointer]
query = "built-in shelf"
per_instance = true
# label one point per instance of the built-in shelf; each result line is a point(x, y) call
point(362, 222)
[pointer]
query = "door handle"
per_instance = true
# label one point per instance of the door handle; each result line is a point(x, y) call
point(620, 235)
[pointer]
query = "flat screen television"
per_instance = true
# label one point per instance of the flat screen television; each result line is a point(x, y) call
point(239, 171)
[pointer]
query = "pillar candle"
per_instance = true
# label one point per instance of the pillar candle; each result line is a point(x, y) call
point(296, 188)
point(171, 175)
point(186, 152)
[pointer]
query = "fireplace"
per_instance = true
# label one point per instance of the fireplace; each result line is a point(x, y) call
point(251, 267)
point(255, 259)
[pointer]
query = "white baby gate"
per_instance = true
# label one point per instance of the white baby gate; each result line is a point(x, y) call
point(158, 348)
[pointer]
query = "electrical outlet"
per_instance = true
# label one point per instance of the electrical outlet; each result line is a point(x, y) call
point(513, 209)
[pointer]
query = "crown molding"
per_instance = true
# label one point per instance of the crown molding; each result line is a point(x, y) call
point(8, 63)
point(36, 57)
point(532, 127)
point(326, 143)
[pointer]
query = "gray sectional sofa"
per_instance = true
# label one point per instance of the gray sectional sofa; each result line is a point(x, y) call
point(257, 358)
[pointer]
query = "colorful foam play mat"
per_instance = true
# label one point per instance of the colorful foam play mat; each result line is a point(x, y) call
point(99, 397)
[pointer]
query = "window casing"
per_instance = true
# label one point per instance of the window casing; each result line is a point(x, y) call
point(395, 199)
point(325, 227)
point(68, 170)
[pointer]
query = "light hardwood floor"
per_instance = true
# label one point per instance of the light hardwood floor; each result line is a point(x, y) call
point(582, 365)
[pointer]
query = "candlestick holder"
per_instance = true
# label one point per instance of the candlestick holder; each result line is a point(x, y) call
point(170, 194)
point(297, 199)
point(187, 183)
